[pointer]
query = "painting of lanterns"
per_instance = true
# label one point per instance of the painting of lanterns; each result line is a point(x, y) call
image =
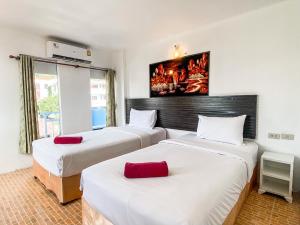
point(188, 75)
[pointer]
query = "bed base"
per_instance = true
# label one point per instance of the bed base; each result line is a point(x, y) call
point(91, 217)
point(234, 213)
point(66, 189)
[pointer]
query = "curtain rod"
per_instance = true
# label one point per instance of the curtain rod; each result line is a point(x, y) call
point(59, 63)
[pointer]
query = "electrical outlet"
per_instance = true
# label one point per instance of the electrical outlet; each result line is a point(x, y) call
point(289, 137)
point(273, 136)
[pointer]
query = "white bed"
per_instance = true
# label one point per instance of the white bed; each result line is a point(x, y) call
point(59, 167)
point(97, 146)
point(205, 182)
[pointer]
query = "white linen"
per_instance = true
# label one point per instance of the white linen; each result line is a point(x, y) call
point(248, 150)
point(157, 134)
point(142, 118)
point(223, 129)
point(175, 133)
point(203, 186)
point(97, 146)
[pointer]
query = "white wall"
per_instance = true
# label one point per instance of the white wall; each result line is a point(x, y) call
point(18, 42)
point(13, 42)
point(256, 53)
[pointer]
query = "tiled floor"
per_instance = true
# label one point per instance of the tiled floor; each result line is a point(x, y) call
point(23, 200)
point(269, 210)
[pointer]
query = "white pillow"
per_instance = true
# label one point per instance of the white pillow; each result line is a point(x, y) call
point(142, 118)
point(223, 129)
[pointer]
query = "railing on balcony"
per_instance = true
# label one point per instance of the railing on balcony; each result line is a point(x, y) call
point(49, 124)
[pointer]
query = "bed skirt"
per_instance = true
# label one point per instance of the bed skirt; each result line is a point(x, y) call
point(66, 189)
point(92, 217)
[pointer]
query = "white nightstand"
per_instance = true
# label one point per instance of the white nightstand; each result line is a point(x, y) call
point(276, 174)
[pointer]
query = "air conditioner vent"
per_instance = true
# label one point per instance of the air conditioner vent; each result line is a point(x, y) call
point(70, 59)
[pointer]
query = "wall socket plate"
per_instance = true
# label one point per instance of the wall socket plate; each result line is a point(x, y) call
point(273, 136)
point(288, 136)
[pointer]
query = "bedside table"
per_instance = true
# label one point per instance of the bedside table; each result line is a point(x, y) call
point(276, 174)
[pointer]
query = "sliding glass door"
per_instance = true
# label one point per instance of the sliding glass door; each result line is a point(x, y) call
point(98, 99)
point(47, 93)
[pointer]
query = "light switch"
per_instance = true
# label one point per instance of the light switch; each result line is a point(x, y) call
point(288, 136)
point(273, 136)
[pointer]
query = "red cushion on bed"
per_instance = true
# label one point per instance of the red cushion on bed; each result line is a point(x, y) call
point(146, 169)
point(68, 140)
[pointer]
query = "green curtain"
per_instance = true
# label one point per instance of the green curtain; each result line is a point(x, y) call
point(28, 110)
point(110, 98)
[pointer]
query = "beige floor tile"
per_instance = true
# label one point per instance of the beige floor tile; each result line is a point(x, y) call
point(23, 200)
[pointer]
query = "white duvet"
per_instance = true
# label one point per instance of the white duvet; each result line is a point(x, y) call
point(205, 181)
point(97, 146)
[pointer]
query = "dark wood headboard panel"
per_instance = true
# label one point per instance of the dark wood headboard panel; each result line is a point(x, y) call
point(182, 112)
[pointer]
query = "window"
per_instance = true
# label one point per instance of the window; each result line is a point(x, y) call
point(46, 85)
point(98, 99)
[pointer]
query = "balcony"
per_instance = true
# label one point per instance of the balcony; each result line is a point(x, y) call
point(98, 117)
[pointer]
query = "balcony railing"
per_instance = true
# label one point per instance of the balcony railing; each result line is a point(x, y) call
point(49, 124)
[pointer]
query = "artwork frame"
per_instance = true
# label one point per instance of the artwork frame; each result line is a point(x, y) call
point(185, 76)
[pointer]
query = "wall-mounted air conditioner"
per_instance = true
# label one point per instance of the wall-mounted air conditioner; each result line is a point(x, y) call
point(67, 52)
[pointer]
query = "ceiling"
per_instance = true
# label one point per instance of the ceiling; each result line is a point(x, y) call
point(119, 23)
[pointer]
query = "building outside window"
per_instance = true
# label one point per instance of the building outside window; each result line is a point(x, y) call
point(47, 94)
point(98, 99)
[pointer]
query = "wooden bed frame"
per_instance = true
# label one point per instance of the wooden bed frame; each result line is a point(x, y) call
point(66, 189)
point(91, 217)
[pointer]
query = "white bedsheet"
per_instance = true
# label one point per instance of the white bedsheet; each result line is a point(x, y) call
point(204, 184)
point(248, 150)
point(97, 146)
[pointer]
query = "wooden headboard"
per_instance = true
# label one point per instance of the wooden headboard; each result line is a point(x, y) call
point(182, 112)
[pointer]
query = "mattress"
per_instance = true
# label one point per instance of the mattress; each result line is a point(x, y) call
point(206, 179)
point(97, 146)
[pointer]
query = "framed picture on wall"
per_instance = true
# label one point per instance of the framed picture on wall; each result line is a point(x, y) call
point(185, 76)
